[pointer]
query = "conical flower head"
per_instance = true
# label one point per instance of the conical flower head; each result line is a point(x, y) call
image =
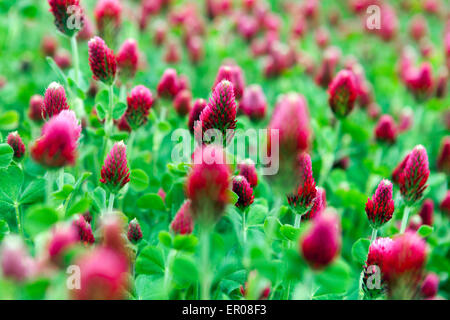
point(62, 239)
point(55, 100)
point(342, 93)
point(380, 208)
point(430, 285)
point(115, 174)
point(420, 81)
point(182, 102)
point(415, 175)
point(244, 192)
point(194, 114)
point(208, 183)
point(306, 191)
point(318, 205)
point(108, 16)
point(385, 130)
point(85, 234)
point(127, 59)
point(220, 113)
point(182, 223)
point(36, 107)
point(426, 212)
point(68, 14)
point(15, 142)
point(322, 242)
point(168, 86)
point(57, 146)
point(443, 160)
point(235, 76)
point(134, 233)
point(398, 171)
point(247, 169)
point(139, 101)
point(445, 204)
point(253, 103)
point(102, 61)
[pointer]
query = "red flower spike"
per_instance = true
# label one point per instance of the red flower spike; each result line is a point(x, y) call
point(108, 14)
point(85, 234)
point(247, 169)
point(194, 114)
point(426, 212)
point(55, 100)
point(36, 108)
point(253, 103)
point(15, 142)
point(102, 61)
point(244, 191)
point(415, 175)
point(208, 183)
point(398, 171)
point(420, 81)
point(443, 159)
point(321, 244)
point(63, 59)
point(182, 223)
point(128, 59)
point(385, 130)
point(235, 76)
point(318, 205)
point(115, 174)
point(63, 11)
point(182, 102)
point(139, 102)
point(134, 233)
point(342, 93)
point(380, 208)
point(306, 191)
point(62, 239)
point(445, 204)
point(168, 86)
point(430, 285)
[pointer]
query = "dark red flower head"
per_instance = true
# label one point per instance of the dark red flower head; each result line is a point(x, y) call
point(115, 174)
point(244, 191)
point(318, 206)
point(418, 27)
point(182, 223)
point(102, 61)
point(445, 204)
point(380, 208)
point(342, 93)
point(415, 175)
point(168, 86)
point(134, 233)
point(68, 14)
point(194, 114)
point(139, 102)
point(321, 243)
point(247, 169)
point(85, 234)
point(430, 285)
point(253, 103)
point(182, 102)
point(420, 81)
point(426, 212)
point(385, 130)
point(15, 142)
point(234, 75)
point(62, 239)
point(306, 191)
point(398, 171)
point(443, 159)
point(55, 100)
point(36, 108)
point(208, 183)
point(127, 59)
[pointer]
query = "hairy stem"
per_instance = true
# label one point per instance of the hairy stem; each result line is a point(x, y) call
point(111, 202)
point(205, 263)
point(405, 219)
point(76, 63)
point(374, 235)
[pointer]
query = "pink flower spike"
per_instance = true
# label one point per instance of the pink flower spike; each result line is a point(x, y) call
point(102, 61)
point(443, 159)
point(139, 102)
point(115, 174)
point(380, 208)
point(385, 130)
point(342, 93)
point(247, 169)
point(168, 86)
point(182, 223)
point(415, 175)
point(306, 191)
point(134, 233)
point(194, 114)
point(55, 100)
point(128, 59)
point(244, 192)
point(15, 142)
point(253, 103)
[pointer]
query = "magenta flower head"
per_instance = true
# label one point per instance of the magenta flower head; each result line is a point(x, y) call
point(115, 174)
point(235, 76)
point(321, 243)
point(380, 208)
point(108, 14)
point(426, 212)
point(55, 100)
point(134, 233)
point(420, 81)
point(15, 262)
point(418, 27)
point(57, 146)
point(398, 171)
point(102, 61)
point(318, 206)
point(244, 191)
point(253, 103)
point(248, 170)
point(385, 130)
point(406, 120)
point(84, 230)
point(443, 159)
point(445, 204)
point(342, 93)
point(208, 183)
point(182, 102)
point(139, 102)
point(68, 14)
point(15, 142)
point(36, 108)
point(220, 112)
point(168, 86)
point(415, 175)
point(62, 239)
point(182, 223)
point(194, 114)
point(306, 191)
point(127, 59)
point(430, 285)
point(104, 275)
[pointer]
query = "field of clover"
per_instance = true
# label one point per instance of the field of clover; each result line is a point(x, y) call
point(350, 97)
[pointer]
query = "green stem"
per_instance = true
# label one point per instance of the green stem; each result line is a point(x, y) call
point(167, 274)
point(49, 186)
point(76, 64)
point(111, 202)
point(61, 177)
point(19, 224)
point(244, 226)
point(374, 235)
point(130, 144)
point(204, 258)
point(405, 219)
point(327, 162)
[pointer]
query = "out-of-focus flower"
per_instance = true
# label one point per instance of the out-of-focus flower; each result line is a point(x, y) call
point(415, 175)
point(441, 83)
point(418, 27)
point(430, 285)
point(420, 81)
point(15, 261)
point(87, 32)
point(195, 48)
point(15, 142)
point(49, 45)
point(443, 159)
point(127, 59)
point(406, 120)
point(304, 195)
point(325, 73)
point(182, 223)
point(445, 204)
point(247, 169)
point(182, 102)
point(115, 174)
point(321, 244)
point(172, 54)
point(139, 102)
point(63, 11)
point(168, 86)
point(253, 103)
point(244, 191)
point(36, 107)
point(63, 59)
point(108, 16)
point(385, 130)
point(247, 26)
point(234, 75)
point(134, 233)
point(62, 239)
point(322, 37)
point(102, 61)
point(194, 114)
point(380, 208)
point(426, 212)
point(85, 234)
point(55, 100)
point(342, 93)
point(160, 34)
